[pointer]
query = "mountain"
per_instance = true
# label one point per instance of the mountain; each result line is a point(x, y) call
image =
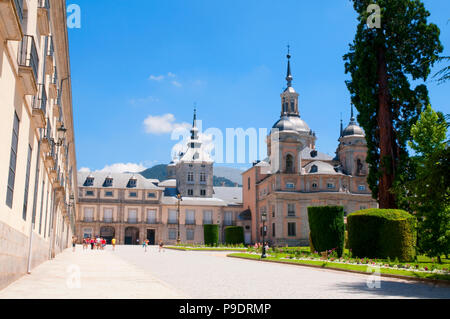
point(156, 172)
point(233, 174)
point(160, 172)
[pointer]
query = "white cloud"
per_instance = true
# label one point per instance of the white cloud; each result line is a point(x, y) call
point(84, 170)
point(176, 83)
point(156, 77)
point(171, 75)
point(163, 124)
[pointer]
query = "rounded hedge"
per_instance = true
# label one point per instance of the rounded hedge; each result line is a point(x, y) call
point(211, 234)
point(326, 224)
point(234, 235)
point(382, 233)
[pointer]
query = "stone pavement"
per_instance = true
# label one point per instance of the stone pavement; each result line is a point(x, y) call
point(86, 275)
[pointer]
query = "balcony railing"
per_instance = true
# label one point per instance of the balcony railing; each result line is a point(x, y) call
point(40, 101)
point(190, 222)
point(132, 221)
point(88, 219)
point(229, 223)
point(172, 221)
point(28, 56)
point(107, 220)
point(151, 221)
point(207, 222)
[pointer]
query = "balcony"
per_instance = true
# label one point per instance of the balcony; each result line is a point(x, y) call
point(49, 56)
point(88, 219)
point(132, 221)
point(57, 109)
point(152, 221)
point(28, 61)
point(190, 222)
point(207, 222)
point(107, 220)
point(44, 17)
point(11, 17)
point(40, 107)
point(229, 223)
point(172, 221)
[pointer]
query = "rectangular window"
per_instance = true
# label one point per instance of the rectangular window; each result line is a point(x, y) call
point(27, 182)
point(291, 229)
point(12, 162)
point(190, 234)
point(133, 194)
point(202, 178)
point(190, 217)
point(151, 216)
point(132, 216)
point(108, 215)
point(291, 210)
point(89, 193)
point(42, 207)
point(151, 195)
point(362, 207)
point(207, 217)
point(203, 192)
point(109, 194)
point(330, 185)
point(190, 177)
point(190, 192)
point(88, 215)
point(172, 234)
point(228, 219)
point(362, 187)
point(173, 216)
point(290, 185)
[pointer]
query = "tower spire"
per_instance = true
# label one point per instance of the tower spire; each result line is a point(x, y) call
point(342, 125)
point(352, 119)
point(289, 77)
point(194, 123)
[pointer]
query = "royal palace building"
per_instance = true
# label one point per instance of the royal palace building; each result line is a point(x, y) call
point(132, 208)
point(278, 190)
point(37, 158)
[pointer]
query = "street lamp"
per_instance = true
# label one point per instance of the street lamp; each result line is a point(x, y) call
point(264, 218)
point(61, 135)
point(179, 198)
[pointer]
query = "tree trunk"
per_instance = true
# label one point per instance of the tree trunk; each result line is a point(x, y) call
point(387, 142)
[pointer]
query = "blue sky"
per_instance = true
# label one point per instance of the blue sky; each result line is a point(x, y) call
point(135, 59)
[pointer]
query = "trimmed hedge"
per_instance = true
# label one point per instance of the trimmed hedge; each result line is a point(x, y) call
point(234, 235)
point(326, 224)
point(211, 234)
point(382, 233)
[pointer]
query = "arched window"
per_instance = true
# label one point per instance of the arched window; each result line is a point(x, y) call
point(313, 169)
point(359, 167)
point(289, 163)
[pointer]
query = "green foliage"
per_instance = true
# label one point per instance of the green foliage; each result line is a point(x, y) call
point(211, 234)
point(405, 45)
point(443, 74)
point(311, 245)
point(234, 235)
point(326, 224)
point(382, 233)
point(425, 187)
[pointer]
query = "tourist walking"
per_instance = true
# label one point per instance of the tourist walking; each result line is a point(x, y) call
point(161, 246)
point(103, 243)
point(113, 243)
point(92, 242)
point(74, 243)
point(145, 244)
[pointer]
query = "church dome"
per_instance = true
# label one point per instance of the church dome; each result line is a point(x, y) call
point(353, 129)
point(299, 124)
point(284, 124)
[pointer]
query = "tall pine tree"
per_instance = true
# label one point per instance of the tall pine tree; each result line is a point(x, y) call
point(381, 61)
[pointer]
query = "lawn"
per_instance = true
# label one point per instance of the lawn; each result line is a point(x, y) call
point(331, 265)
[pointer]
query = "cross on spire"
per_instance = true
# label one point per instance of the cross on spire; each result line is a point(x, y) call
point(289, 77)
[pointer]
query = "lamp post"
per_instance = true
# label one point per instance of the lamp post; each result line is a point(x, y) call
point(264, 218)
point(178, 218)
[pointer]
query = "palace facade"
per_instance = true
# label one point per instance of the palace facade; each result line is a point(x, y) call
point(37, 157)
point(131, 208)
point(296, 175)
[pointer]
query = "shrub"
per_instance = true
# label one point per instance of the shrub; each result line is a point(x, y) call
point(311, 246)
point(382, 233)
point(326, 224)
point(234, 235)
point(211, 234)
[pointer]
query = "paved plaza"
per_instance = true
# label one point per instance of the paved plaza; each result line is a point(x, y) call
point(130, 272)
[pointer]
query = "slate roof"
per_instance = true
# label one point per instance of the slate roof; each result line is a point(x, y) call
point(120, 180)
point(231, 195)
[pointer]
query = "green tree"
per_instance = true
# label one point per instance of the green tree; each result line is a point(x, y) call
point(380, 61)
point(425, 188)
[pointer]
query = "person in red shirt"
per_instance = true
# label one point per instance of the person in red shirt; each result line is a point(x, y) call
point(103, 243)
point(92, 243)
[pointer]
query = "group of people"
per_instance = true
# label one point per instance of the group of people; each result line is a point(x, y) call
point(260, 245)
point(97, 243)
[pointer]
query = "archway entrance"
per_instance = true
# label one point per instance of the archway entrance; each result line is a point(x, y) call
point(108, 233)
point(131, 235)
point(151, 236)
